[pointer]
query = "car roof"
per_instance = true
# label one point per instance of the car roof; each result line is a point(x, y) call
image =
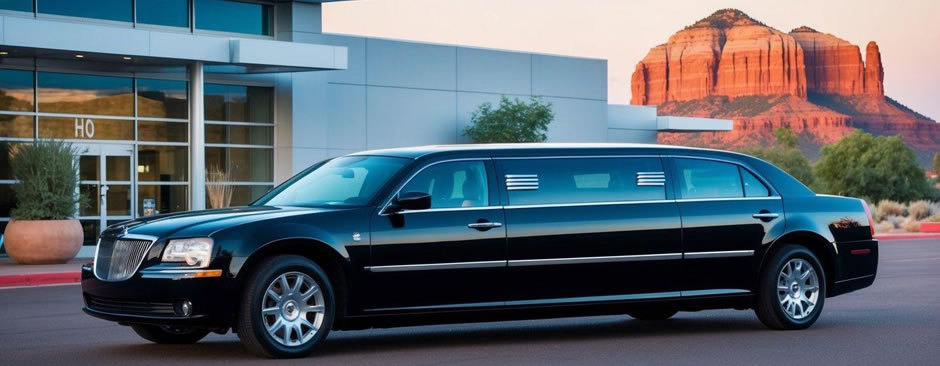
point(417, 152)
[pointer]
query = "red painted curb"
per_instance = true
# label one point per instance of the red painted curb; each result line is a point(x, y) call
point(39, 279)
point(890, 237)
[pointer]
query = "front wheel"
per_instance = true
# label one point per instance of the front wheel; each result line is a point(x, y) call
point(164, 334)
point(286, 308)
point(792, 289)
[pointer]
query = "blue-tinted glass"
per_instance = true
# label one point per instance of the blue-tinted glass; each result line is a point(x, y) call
point(19, 5)
point(173, 13)
point(85, 94)
point(581, 180)
point(451, 185)
point(16, 90)
point(752, 186)
point(708, 179)
point(234, 16)
point(119, 10)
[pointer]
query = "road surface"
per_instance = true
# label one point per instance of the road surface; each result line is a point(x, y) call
point(896, 321)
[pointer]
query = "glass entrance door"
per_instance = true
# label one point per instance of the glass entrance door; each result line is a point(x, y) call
point(107, 180)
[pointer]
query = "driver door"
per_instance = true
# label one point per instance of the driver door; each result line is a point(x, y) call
point(452, 255)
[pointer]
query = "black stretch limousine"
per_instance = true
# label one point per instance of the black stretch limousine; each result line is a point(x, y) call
point(486, 232)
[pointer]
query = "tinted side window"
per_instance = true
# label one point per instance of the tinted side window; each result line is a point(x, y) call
point(455, 184)
point(708, 179)
point(753, 187)
point(581, 180)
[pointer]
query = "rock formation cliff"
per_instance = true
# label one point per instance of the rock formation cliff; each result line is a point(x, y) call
point(729, 65)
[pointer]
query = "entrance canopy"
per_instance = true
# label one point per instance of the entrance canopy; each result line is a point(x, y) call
point(135, 49)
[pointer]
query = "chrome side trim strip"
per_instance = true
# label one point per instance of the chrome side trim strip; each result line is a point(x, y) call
point(585, 260)
point(854, 278)
point(588, 299)
point(727, 199)
point(574, 300)
point(714, 292)
point(586, 204)
point(718, 254)
point(435, 266)
point(451, 209)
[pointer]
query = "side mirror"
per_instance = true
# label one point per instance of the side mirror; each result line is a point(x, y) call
point(413, 201)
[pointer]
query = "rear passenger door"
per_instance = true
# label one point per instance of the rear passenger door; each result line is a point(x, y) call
point(728, 214)
point(584, 229)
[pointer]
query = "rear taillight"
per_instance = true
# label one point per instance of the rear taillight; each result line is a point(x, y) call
point(871, 220)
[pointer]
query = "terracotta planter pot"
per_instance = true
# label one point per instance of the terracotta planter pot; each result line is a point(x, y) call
point(43, 241)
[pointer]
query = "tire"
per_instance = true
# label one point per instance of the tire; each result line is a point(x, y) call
point(312, 301)
point(793, 304)
point(169, 335)
point(653, 314)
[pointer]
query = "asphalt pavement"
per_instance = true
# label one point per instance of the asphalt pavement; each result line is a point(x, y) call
point(896, 321)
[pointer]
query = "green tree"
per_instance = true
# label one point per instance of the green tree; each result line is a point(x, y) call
point(875, 168)
point(936, 163)
point(787, 156)
point(513, 121)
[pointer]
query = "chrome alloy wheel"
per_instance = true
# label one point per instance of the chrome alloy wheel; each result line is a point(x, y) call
point(797, 289)
point(293, 308)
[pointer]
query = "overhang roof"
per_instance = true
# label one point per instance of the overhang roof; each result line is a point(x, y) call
point(31, 37)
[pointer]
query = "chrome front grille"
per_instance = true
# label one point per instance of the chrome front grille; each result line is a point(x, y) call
point(117, 260)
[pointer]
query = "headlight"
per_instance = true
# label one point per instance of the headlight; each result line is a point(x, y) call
point(195, 252)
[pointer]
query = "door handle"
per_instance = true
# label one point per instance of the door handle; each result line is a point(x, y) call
point(765, 216)
point(483, 226)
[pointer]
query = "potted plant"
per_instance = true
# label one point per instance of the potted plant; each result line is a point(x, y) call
point(42, 228)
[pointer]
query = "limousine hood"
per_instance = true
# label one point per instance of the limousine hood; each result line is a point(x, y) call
point(206, 222)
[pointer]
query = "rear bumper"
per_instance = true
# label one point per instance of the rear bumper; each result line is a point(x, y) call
point(857, 266)
point(140, 300)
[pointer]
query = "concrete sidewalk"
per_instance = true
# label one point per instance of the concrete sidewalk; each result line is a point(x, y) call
point(13, 274)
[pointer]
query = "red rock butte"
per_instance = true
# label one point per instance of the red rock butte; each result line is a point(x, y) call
point(729, 65)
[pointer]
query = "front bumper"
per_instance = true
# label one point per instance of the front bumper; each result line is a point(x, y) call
point(140, 300)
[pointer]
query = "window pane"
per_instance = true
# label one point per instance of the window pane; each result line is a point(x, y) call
point(162, 131)
point(708, 179)
point(6, 199)
point(119, 168)
point(243, 164)
point(90, 228)
point(243, 195)
point(165, 198)
point(16, 126)
point(162, 163)
point(6, 153)
point(93, 194)
point(753, 187)
point(234, 16)
point(18, 5)
point(88, 167)
point(173, 13)
point(583, 180)
point(243, 135)
point(236, 103)
point(16, 90)
point(344, 181)
point(102, 9)
point(119, 200)
point(460, 184)
point(85, 94)
point(162, 98)
point(85, 128)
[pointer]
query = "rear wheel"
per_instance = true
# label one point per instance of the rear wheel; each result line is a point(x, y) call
point(792, 289)
point(164, 334)
point(652, 314)
point(286, 308)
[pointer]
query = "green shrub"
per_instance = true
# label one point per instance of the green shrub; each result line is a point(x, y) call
point(513, 121)
point(47, 186)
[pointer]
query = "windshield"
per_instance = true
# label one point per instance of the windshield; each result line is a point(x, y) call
point(345, 181)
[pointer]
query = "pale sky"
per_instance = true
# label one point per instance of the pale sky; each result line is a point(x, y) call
point(622, 31)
